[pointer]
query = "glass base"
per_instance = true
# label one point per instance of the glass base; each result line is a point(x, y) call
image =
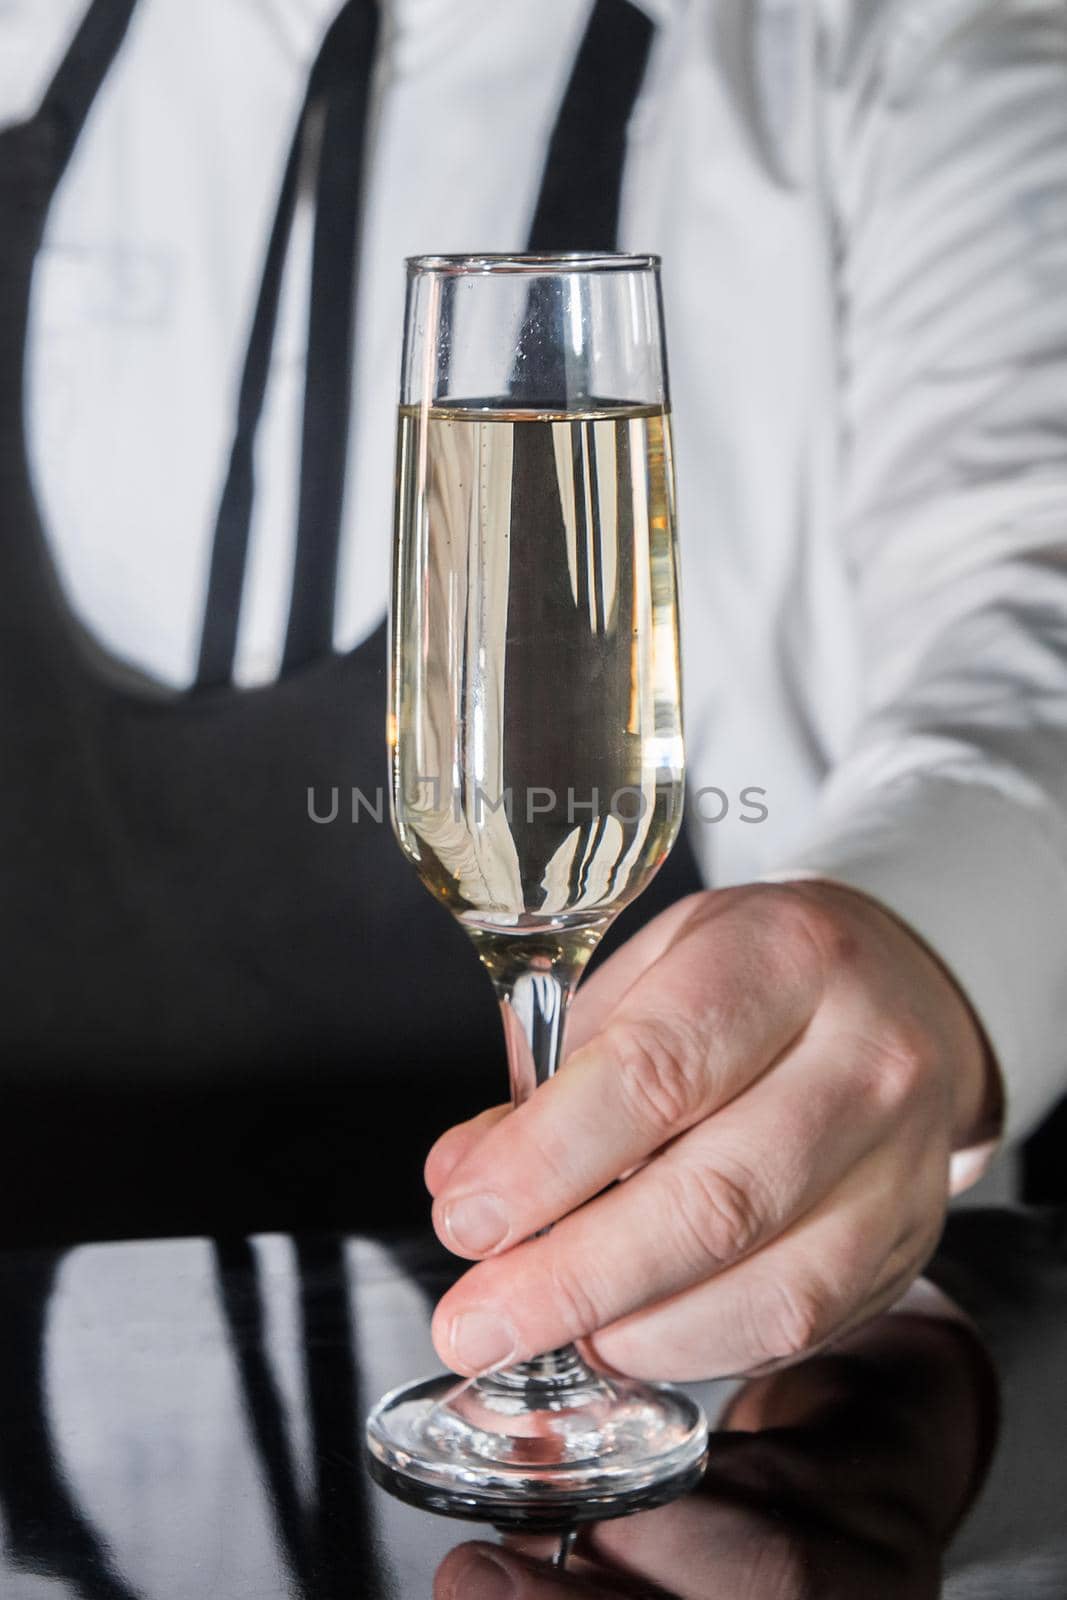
point(547, 1452)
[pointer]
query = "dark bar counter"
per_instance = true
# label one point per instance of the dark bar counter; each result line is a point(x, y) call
point(182, 1420)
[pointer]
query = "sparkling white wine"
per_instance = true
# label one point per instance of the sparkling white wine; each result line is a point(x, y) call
point(535, 725)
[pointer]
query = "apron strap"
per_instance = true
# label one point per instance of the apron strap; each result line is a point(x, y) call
point(339, 87)
point(578, 204)
point(67, 101)
point(230, 545)
point(328, 384)
point(577, 208)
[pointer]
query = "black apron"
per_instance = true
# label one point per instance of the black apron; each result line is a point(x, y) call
point(170, 915)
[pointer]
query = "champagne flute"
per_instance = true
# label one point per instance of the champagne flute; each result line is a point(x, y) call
point(537, 768)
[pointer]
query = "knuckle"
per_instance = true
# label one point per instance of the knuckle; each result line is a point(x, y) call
point(804, 937)
point(573, 1299)
point(717, 1216)
point(551, 1165)
point(662, 1073)
point(905, 1058)
point(790, 1319)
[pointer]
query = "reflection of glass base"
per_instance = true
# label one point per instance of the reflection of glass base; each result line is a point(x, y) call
point(521, 1454)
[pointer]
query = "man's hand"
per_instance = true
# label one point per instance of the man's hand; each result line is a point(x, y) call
point(778, 1075)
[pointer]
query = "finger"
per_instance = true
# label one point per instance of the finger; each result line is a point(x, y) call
point(456, 1144)
point(730, 994)
point(603, 990)
point(686, 1551)
point(846, 1260)
point(489, 1572)
point(719, 1192)
point(589, 1012)
point(697, 1542)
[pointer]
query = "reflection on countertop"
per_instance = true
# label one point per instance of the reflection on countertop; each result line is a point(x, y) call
point(183, 1419)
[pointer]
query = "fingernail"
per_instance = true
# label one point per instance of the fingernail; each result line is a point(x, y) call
point(489, 1580)
point(476, 1224)
point(480, 1340)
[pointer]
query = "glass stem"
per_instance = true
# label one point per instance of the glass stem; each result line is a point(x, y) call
point(534, 1008)
point(534, 1005)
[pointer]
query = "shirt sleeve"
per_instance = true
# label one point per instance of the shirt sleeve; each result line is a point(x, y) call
point(34, 35)
point(947, 169)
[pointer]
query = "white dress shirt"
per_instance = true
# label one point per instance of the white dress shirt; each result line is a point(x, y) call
point(862, 210)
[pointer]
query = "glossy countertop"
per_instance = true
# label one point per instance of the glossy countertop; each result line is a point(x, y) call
point(183, 1418)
